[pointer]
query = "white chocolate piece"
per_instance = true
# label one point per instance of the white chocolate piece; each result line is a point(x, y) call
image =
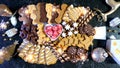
point(100, 33)
point(113, 46)
point(11, 32)
point(114, 22)
point(112, 37)
point(13, 21)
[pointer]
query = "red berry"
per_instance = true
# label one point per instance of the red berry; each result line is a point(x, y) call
point(55, 33)
point(49, 27)
point(46, 30)
point(50, 33)
point(59, 31)
point(59, 26)
point(53, 37)
point(54, 28)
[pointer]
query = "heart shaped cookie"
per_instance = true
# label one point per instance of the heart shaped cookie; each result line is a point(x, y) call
point(53, 31)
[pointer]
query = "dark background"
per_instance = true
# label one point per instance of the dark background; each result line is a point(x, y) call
point(17, 62)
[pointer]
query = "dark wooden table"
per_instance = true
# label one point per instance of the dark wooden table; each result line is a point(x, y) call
point(17, 62)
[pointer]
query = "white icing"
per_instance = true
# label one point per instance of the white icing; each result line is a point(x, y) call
point(75, 32)
point(63, 34)
point(67, 27)
point(70, 33)
point(71, 29)
point(64, 23)
point(75, 24)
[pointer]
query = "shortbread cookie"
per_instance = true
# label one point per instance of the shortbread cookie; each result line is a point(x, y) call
point(61, 12)
point(52, 13)
point(36, 54)
point(73, 13)
point(42, 37)
point(31, 11)
point(49, 8)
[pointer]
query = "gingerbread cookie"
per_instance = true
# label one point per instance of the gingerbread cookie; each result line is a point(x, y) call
point(79, 40)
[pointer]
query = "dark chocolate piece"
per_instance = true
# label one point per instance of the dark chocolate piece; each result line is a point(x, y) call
point(76, 54)
point(54, 13)
point(81, 51)
point(87, 29)
point(54, 16)
point(71, 50)
point(43, 13)
point(29, 32)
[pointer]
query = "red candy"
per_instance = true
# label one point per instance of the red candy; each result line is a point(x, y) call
point(49, 27)
point(53, 37)
point(50, 33)
point(59, 26)
point(53, 31)
point(59, 31)
point(55, 28)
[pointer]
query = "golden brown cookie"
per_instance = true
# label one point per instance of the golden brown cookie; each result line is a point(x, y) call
point(73, 13)
point(49, 8)
point(61, 12)
point(37, 54)
point(52, 12)
point(30, 11)
point(79, 40)
point(41, 35)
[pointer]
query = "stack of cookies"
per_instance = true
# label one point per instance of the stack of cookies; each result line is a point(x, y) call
point(59, 32)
